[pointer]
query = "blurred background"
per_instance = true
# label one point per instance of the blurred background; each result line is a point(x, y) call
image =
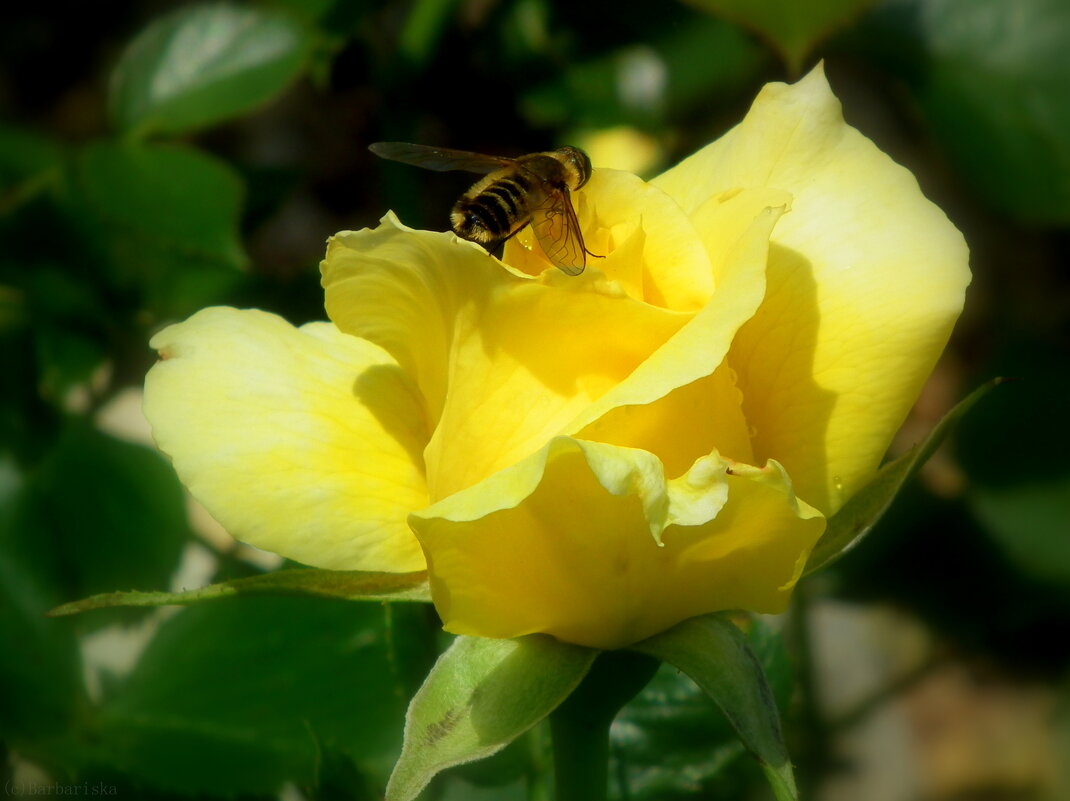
point(158, 157)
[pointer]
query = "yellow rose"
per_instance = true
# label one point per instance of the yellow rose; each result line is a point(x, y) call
point(598, 457)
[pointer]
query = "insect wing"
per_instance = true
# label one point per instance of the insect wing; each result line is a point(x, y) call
point(440, 159)
point(558, 231)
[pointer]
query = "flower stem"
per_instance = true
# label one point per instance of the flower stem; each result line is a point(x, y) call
point(580, 726)
point(812, 752)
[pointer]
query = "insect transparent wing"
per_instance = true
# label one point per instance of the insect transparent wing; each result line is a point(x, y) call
point(440, 159)
point(558, 231)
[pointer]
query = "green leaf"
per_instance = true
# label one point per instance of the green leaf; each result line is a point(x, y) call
point(238, 698)
point(514, 763)
point(70, 324)
point(671, 741)
point(993, 80)
point(715, 654)
point(24, 153)
point(1029, 523)
point(202, 64)
point(791, 27)
point(340, 584)
point(29, 164)
point(167, 196)
point(425, 24)
point(65, 360)
point(114, 512)
point(481, 695)
point(1022, 498)
point(308, 10)
point(40, 665)
point(682, 67)
point(998, 95)
point(163, 219)
point(857, 517)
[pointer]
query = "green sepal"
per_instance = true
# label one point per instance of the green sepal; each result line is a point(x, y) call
point(857, 517)
point(480, 696)
point(346, 585)
point(715, 654)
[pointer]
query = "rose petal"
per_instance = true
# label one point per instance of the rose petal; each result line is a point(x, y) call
point(662, 263)
point(306, 442)
point(702, 410)
point(525, 356)
point(404, 290)
point(866, 279)
point(567, 543)
point(690, 421)
point(700, 347)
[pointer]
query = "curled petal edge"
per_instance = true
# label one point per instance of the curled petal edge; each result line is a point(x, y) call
point(590, 543)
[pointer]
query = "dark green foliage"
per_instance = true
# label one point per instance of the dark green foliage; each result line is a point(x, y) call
point(245, 695)
point(158, 159)
point(672, 741)
point(203, 64)
point(993, 80)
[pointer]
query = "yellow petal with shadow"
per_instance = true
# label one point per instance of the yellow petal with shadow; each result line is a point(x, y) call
point(662, 261)
point(683, 425)
point(505, 360)
point(302, 441)
point(701, 409)
point(700, 347)
point(866, 278)
point(589, 543)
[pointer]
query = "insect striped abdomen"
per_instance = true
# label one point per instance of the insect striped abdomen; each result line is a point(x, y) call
point(508, 194)
point(495, 208)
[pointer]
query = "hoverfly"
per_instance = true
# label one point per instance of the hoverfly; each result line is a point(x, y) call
point(528, 189)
